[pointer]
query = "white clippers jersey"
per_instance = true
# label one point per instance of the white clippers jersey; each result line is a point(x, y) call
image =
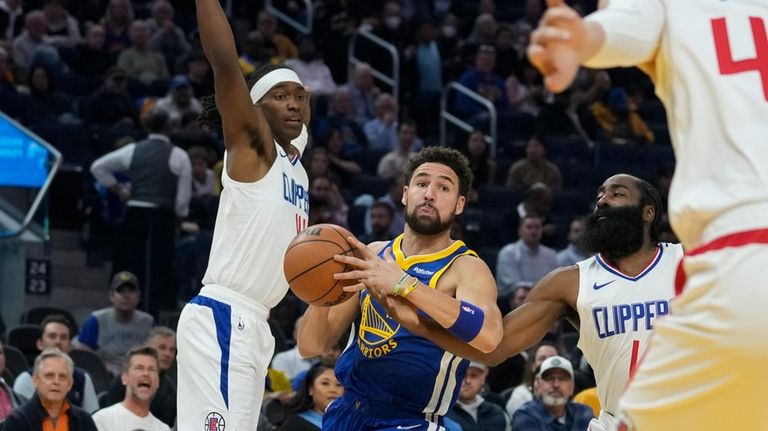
point(710, 67)
point(254, 225)
point(616, 315)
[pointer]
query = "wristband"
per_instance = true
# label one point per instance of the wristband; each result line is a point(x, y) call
point(468, 324)
point(409, 288)
point(398, 287)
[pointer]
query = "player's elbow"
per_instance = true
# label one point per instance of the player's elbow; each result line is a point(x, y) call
point(307, 350)
point(487, 341)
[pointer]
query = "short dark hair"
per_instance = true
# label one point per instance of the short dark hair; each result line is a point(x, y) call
point(445, 156)
point(386, 206)
point(144, 350)
point(650, 196)
point(55, 318)
point(157, 121)
point(211, 117)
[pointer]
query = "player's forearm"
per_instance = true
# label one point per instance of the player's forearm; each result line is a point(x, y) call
point(450, 343)
point(216, 35)
point(313, 337)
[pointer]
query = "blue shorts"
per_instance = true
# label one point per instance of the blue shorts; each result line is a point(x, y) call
point(351, 412)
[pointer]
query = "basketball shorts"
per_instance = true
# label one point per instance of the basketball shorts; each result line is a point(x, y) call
point(705, 367)
point(224, 349)
point(351, 412)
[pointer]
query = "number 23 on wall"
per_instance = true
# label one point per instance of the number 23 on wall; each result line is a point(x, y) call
point(729, 66)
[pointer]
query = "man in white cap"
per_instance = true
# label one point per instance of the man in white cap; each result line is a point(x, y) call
point(552, 409)
point(224, 341)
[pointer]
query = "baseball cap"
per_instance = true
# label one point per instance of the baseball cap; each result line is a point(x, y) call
point(124, 278)
point(556, 362)
point(474, 364)
point(179, 81)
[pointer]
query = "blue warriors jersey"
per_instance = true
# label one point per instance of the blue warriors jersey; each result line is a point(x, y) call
point(393, 367)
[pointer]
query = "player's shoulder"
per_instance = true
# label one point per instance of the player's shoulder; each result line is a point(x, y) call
point(378, 246)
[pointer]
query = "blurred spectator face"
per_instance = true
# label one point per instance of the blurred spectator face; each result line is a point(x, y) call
point(386, 106)
point(555, 387)
point(426, 33)
point(486, 6)
point(55, 335)
point(54, 11)
point(381, 219)
point(393, 15)
point(476, 144)
point(504, 39)
point(198, 69)
point(341, 102)
point(325, 389)
point(267, 24)
point(117, 83)
point(307, 50)
point(534, 150)
point(533, 10)
point(95, 37)
point(40, 80)
point(162, 11)
point(182, 95)
point(486, 24)
point(473, 383)
point(125, 298)
point(321, 189)
point(485, 60)
point(120, 9)
point(142, 378)
point(530, 231)
point(363, 77)
point(319, 163)
point(53, 380)
point(518, 298)
point(335, 143)
point(449, 25)
point(576, 231)
point(166, 350)
point(35, 25)
point(139, 36)
point(199, 168)
point(406, 135)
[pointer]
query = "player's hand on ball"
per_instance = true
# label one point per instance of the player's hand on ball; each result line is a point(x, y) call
point(377, 275)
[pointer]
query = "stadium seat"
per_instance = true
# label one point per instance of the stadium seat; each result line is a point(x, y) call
point(373, 185)
point(24, 337)
point(36, 315)
point(91, 361)
point(15, 361)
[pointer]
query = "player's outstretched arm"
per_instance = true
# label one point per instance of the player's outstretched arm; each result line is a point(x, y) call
point(549, 300)
point(321, 327)
point(245, 127)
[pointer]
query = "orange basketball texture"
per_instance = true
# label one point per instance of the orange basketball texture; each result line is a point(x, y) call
point(309, 265)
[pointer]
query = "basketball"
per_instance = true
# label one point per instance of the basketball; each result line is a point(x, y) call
point(309, 265)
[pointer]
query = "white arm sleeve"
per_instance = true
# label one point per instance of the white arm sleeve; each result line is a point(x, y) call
point(103, 168)
point(632, 29)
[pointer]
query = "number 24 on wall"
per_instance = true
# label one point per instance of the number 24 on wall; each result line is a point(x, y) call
point(729, 66)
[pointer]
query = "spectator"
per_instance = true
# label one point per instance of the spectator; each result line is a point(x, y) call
point(423, 77)
point(140, 61)
point(163, 406)
point(480, 160)
point(526, 259)
point(394, 198)
point(57, 333)
point(391, 165)
point(8, 92)
point(112, 331)
point(620, 121)
point(534, 168)
point(325, 196)
point(90, 58)
point(575, 251)
point(165, 36)
point(52, 377)
point(537, 200)
point(257, 51)
point(311, 68)
point(381, 131)
point(44, 104)
point(483, 80)
point(363, 92)
point(382, 216)
point(203, 178)
point(141, 378)
point(341, 118)
point(340, 164)
point(305, 409)
point(63, 29)
point(32, 42)
point(553, 410)
point(161, 183)
point(117, 23)
point(520, 292)
point(11, 19)
point(473, 412)
point(318, 164)
point(290, 361)
point(199, 74)
point(111, 105)
point(525, 391)
point(179, 101)
point(266, 24)
point(9, 399)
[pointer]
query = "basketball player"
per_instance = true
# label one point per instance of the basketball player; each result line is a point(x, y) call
point(224, 341)
point(709, 61)
point(392, 378)
point(613, 298)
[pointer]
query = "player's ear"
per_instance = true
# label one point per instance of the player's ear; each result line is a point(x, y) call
point(649, 213)
point(404, 199)
point(460, 204)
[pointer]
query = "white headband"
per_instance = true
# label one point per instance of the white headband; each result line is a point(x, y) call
point(266, 82)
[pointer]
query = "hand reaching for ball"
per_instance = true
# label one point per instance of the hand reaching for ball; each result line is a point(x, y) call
point(377, 275)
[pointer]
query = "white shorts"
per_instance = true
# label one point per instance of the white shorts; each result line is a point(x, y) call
point(705, 367)
point(224, 348)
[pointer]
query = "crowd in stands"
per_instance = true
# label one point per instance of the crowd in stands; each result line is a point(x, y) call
point(109, 82)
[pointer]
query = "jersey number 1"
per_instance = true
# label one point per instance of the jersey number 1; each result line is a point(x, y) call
point(729, 66)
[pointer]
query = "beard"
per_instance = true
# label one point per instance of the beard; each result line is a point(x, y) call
point(619, 234)
point(553, 400)
point(424, 226)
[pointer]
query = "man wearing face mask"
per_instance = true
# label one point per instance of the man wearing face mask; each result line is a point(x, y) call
point(613, 298)
point(553, 409)
point(312, 70)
